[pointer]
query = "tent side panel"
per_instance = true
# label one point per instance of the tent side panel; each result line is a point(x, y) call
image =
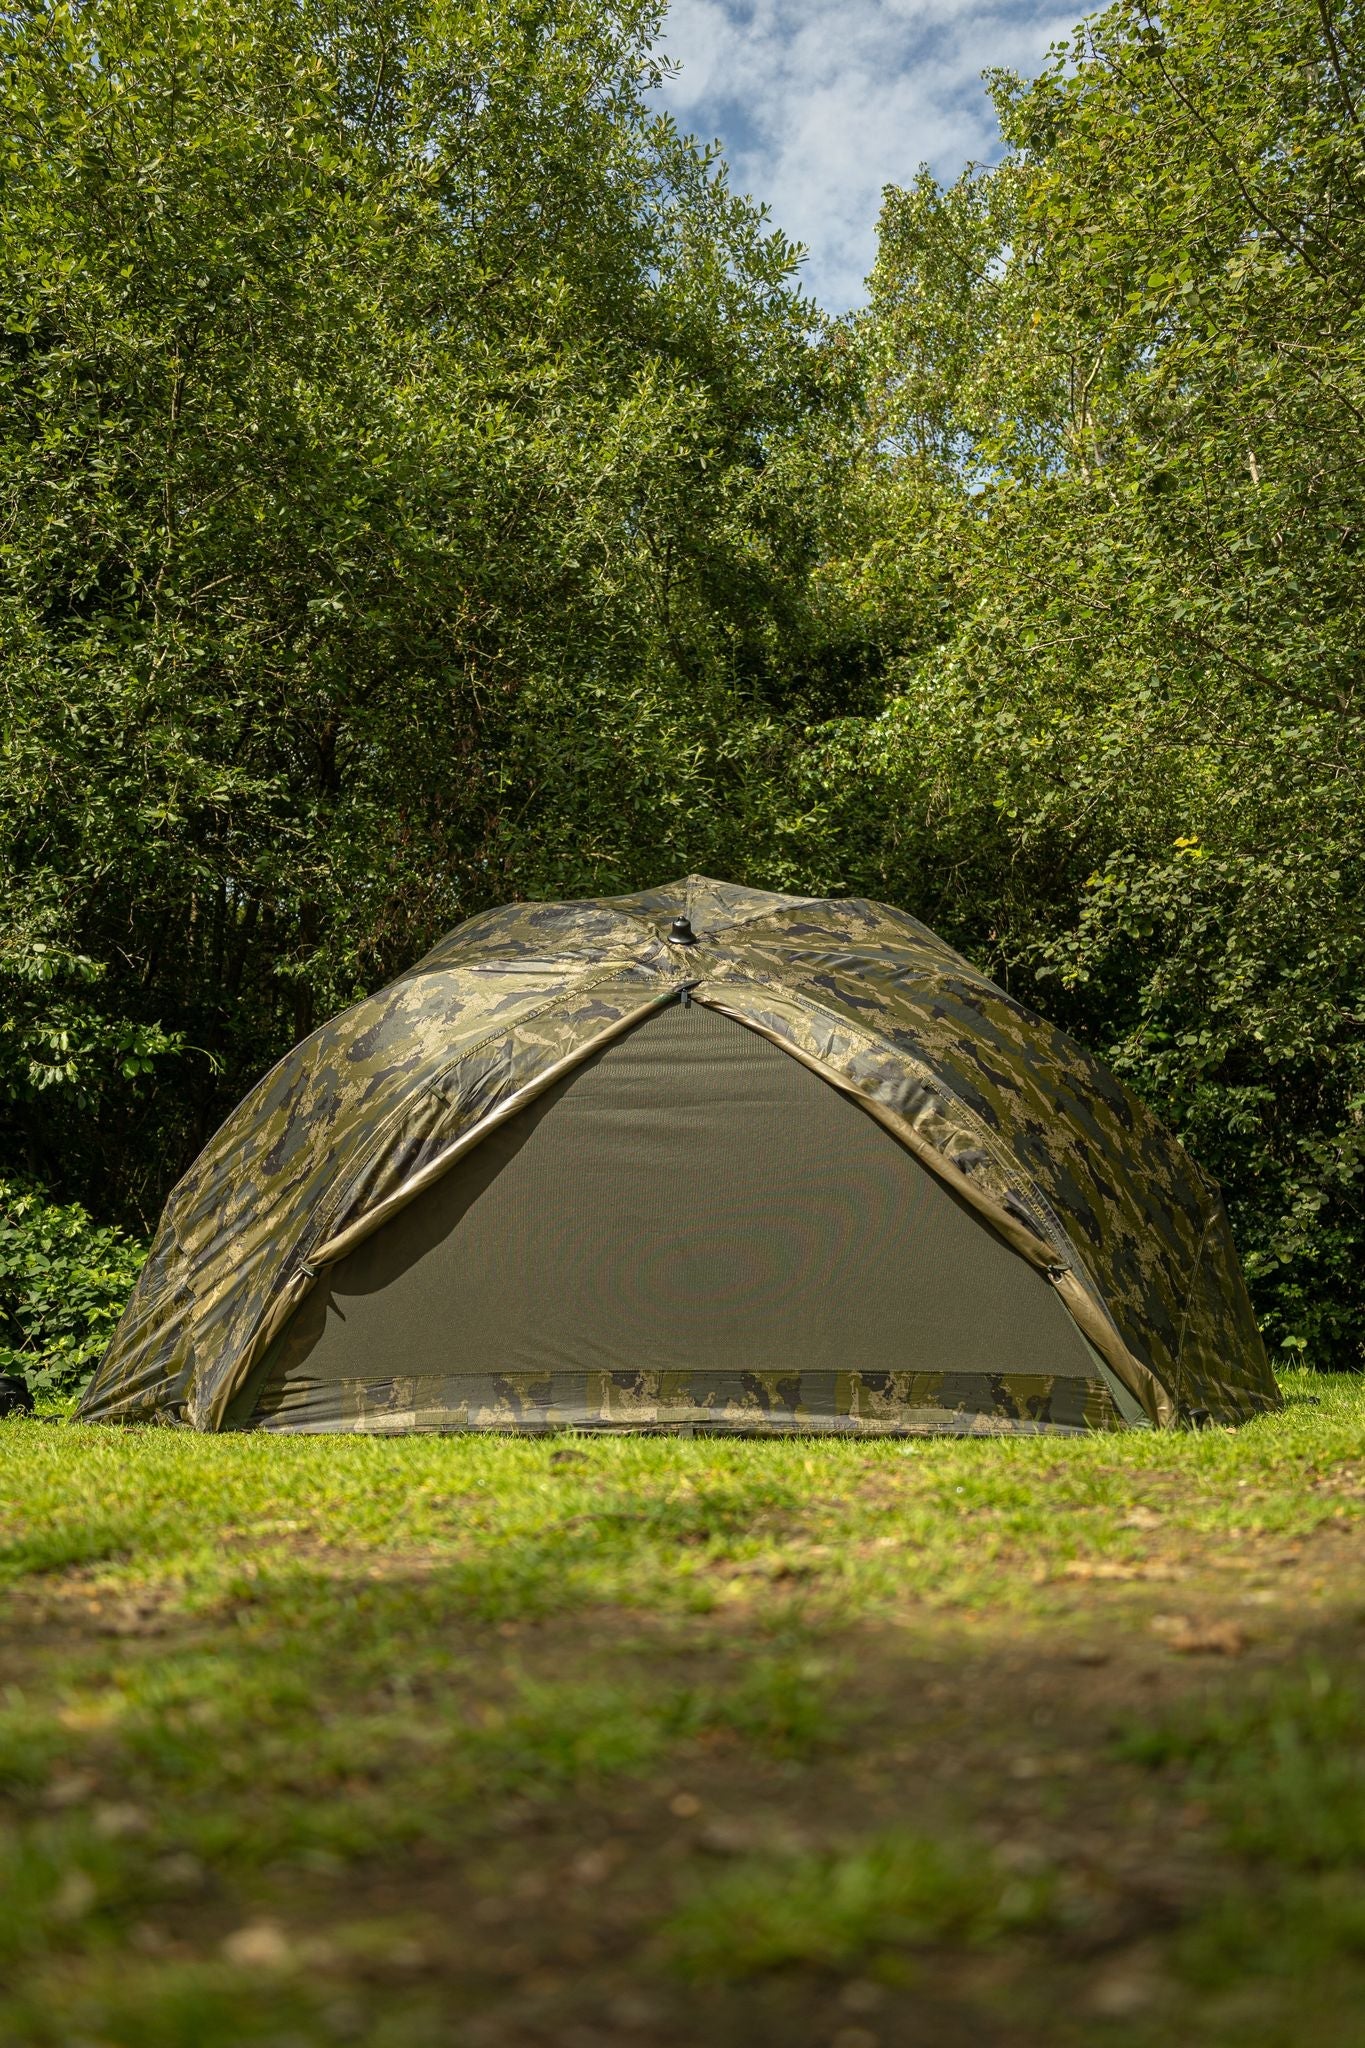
point(1024, 1112)
point(689, 1229)
point(1223, 1368)
point(704, 1404)
point(336, 1128)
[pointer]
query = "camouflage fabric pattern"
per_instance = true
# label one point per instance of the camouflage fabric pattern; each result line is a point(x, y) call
point(1017, 1117)
point(708, 1404)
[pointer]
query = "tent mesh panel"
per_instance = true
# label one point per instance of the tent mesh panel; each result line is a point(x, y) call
point(681, 1228)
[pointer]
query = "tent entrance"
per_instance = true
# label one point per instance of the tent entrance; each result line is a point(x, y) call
point(690, 1230)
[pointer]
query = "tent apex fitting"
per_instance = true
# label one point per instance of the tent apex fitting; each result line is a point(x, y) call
point(839, 1183)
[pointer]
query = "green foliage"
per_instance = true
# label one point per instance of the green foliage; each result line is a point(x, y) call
point(1281, 1768)
point(892, 1893)
point(384, 400)
point(1103, 543)
point(421, 485)
point(1282, 1773)
point(63, 1283)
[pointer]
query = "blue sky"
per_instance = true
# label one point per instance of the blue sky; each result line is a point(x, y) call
point(819, 103)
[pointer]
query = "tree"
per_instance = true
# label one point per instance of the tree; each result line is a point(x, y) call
point(1104, 548)
point(388, 528)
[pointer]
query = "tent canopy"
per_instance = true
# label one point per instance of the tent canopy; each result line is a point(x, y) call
point(797, 1166)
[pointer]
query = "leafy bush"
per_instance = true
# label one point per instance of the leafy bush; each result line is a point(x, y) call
point(1104, 538)
point(384, 411)
point(63, 1281)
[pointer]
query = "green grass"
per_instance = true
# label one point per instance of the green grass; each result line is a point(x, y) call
point(862, 1908)
point(465, 1740)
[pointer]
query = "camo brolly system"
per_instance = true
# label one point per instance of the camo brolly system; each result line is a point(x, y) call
point(1055, 1160)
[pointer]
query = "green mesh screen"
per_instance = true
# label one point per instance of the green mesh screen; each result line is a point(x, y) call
point(692, 1225)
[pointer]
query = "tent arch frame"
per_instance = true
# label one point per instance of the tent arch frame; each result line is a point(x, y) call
point(1085, 1310)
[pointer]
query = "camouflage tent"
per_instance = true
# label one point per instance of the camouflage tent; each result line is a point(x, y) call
point(700, 1158)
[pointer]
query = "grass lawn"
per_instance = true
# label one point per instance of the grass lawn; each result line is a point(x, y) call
point(589, 1743)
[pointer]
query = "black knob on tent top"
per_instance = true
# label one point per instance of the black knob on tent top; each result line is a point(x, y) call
point(681, 932)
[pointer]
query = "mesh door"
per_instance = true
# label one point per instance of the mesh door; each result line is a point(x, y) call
point(692, 1228)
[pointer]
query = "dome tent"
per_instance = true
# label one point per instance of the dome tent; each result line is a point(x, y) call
point(702, 1157)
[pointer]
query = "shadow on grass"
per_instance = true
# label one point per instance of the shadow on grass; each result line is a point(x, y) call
point(731, 1814)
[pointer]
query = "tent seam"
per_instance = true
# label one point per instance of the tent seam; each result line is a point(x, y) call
point(299, 1268)
point(426, 965)
point(768, 916)
point(1073, 1273)
point(1002, 1159)
point(433, 1086)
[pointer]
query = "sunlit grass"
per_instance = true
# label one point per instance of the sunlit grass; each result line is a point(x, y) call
point(322, 1680)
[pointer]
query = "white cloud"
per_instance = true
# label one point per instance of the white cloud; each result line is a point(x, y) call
point(819, 106)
